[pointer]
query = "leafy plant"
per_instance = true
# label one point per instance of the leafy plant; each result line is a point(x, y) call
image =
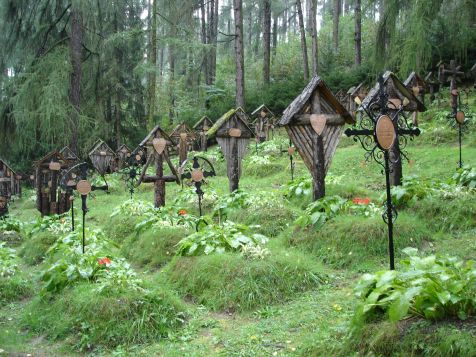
point(215, 238)
point(300, 187)
point(132, 208)
point(56, 224)
point(8, 261)
point(10, 224)
point(235, 200)
point(411, 190)
point(427, 287)
point(465, 176)
point(166, 216)
point(319, 212)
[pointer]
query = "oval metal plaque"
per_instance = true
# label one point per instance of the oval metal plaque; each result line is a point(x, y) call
point(385, 132)
point(54, 166)
point(234, 132)
point(83, 187)
point(318, 122)
point(197, 175)
point(291, 150)
point(159, 145)
point(460, 117)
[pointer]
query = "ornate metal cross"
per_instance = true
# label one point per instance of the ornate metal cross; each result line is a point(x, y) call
point(76, 178)
point(378, 132)
point(291, 150)
point(201, 168)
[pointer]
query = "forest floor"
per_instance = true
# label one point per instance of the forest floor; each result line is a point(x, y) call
point(298, 300)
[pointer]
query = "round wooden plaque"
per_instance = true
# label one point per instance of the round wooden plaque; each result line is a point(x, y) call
point(291, 150)
point(138, 157)
point(83, 187)
point(385, 132)
point(460, 117)
point(197, 175)
point(318, 122)
point(159, 145)
point(454, 92)
point(234, 132)
point(54, 166)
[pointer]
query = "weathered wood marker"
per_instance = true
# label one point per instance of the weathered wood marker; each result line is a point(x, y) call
point(263, 122)
point(378, 133)
point(123, 154)
point(9, 181)
point(69, 155)
point(233, 134)
point(102, 157)
point(49, 198)
point(183, 137)
point(155, 146)
point(314, 122)
point(418, 87)
point(401, 101)
point(453, 75)
point(201, 127)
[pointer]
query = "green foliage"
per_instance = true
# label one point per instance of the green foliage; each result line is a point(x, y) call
point(170, 216)
point(8, 261)
point(132, 208)
point(300, 187)
point(411, 190)
point(55, 225)
point(235, 200)
point(230, 281)
point(465, 176)
point(428, 287)
point(213, 238)
point(320, 211)
point(10, 224)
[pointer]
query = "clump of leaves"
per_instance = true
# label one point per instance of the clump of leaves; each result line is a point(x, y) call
point(236, 200)
point(132, 208)
point(411, 190)
point(56, 224)
point(465, 176)
point(10, 224)
point(428, 287)
point(254, 252)
point(300, 187)
point(213, 238)
point(96, 264)
point(8, 261)
point(170, 216)
point(319, 212)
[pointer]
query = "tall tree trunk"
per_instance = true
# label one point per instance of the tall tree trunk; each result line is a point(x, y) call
point(213, 51)
point(335, 31)
point(266, 40)
point(172, 83)
point(285, 21)
point(275, 33)
point(153, 63)
point(204, 41)
point(76, 51)
point(315, 50)
point(303, 40)
point(239, 55)
point(358, 32)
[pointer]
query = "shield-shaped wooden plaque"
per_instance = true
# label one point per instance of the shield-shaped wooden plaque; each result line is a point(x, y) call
point(183, 136)
point(159, 145)
point(385, 132)
point(318, 122)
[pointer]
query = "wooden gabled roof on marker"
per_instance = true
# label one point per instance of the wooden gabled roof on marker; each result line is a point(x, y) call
point(202, 120)
point(260, 108)
point(181, 128)
point(68, 154)
point(47, 158)
point(298, 104)
point(239, 113)
point(152, 134)
point(395, 89)
point(413, 77)
point(7, 166)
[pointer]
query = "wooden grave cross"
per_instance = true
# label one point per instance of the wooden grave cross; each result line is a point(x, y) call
point(454, 74)
point(157, 142)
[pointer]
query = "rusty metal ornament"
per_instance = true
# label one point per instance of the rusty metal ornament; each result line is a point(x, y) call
point(385, 132)
point(83, 187)
point(318, 122)
point(159, 145)
point(234, 132)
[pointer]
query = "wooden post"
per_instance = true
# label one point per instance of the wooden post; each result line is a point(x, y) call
point(203, 140)
point(159, 185)
point(53, 191)
point(396, 163)
point(234, 166)
point(182, 148)
point(318, 169)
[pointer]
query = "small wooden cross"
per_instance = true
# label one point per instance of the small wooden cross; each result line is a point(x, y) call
point(454, 74)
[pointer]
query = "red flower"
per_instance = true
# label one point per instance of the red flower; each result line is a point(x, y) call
point(361, 201)
point(104, 261)
point(182, 212)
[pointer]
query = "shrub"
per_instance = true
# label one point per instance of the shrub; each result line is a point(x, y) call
point(411, 190)
point(215, 238)
point(8, 261)
point(426, 287)
point(465, 176)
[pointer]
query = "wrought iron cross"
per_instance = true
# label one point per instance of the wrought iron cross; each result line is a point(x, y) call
point(377, 133)
point(76, 178)
point(291, 150)
point(201, 168)
point(132, 171)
